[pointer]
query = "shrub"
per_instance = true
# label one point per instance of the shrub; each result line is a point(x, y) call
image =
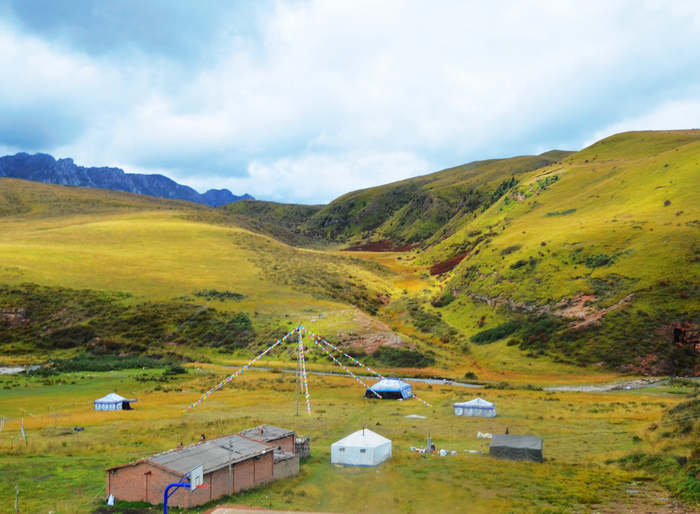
point(175, 370)
point(84, 362)
point(471, 375)
point(69, 337)
point(560, 213)
point(399, 358)
point(494, 334)
point(597, 261)
point(510, 249)
point(213, 294)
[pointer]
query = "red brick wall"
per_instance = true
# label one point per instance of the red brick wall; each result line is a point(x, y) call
point(265, 468)
point(141, 482)
point(145, 482)
point(287, 443)
point(219, 483)
point(252, 472)
point(243, 475)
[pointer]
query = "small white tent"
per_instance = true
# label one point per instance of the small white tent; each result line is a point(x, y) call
point(363, 448)
point(478, 408)
point(113, 402)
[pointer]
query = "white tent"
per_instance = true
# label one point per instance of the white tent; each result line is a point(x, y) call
point(113, 402)
point(363, 448)
point(479, 408)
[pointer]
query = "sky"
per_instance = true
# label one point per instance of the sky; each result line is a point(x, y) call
point(303, 101)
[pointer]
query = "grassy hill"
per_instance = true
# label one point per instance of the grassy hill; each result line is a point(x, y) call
point(594, 259)
point(279, 220)
point(526, 265)
point(137, 273)
point(558, 269)
point(414, 210)
point(403, 213)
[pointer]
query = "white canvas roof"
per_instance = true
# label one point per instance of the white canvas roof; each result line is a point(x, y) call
point(363, 448)
point(368, 440)
point(478, 402)
point(477, 408)
point(113, 398)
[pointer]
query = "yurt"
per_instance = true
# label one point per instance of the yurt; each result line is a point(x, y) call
point(390, 389)
point(363, 448)
point(113, 402)
point(477, 408)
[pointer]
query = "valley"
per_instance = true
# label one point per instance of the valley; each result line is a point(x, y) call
point(519, 275)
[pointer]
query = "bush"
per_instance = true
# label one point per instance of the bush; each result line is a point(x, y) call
point(69, 337)
point(471, 375)
point(63, 318)
point(510, 249)
point(213, 294)
point(398, 358)
point(597, 261)
point(494, 334)
point(175, 370)
point(560, 213)
point(85, 362)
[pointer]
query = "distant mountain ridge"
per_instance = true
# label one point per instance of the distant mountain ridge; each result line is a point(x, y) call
point(218, 197)
point(44, 168)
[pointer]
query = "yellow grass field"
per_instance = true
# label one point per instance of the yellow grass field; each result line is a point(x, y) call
point(62, 473)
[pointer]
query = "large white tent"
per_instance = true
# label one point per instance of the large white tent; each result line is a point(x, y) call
point(478, 408)
point(363, 448)
point(113, 402)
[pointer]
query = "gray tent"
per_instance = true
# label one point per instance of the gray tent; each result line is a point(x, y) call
point(516, 447)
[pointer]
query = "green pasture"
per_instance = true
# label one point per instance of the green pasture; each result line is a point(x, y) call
point(62, 470)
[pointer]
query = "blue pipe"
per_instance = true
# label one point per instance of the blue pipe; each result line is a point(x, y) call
point(166, 495)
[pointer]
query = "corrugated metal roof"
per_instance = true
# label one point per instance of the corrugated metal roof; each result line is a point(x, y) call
point(267, 433)
point(213, 454)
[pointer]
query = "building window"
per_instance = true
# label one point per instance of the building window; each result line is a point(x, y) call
point(363, 451)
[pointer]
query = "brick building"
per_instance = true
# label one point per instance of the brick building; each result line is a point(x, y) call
point(231, 464)
point(283, 440)
point(280, 438)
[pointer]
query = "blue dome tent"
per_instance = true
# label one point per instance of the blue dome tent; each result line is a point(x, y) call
point(389, 389)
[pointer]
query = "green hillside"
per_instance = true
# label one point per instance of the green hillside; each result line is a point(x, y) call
point(413, 210)
point(538, 278)
point(86, 268)
point(279, 220)
point(400, 214)
point(529, 265)
point(611, 234)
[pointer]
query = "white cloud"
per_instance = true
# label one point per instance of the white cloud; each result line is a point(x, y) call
point(319, 178)
point(325, 97)
point(675, 115)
